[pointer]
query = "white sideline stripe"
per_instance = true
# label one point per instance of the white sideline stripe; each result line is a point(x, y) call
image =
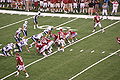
point(15, 23)
point(57, 51)
point(55, 14)
point(42, 57)
point(94, 64)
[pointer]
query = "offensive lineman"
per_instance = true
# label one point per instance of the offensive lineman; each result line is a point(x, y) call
point(20, 65)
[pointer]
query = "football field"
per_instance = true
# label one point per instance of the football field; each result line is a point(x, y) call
point(92, 57)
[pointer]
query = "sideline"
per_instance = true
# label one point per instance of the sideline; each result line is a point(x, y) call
point(55, 14)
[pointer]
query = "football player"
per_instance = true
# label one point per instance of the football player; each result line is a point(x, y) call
point(67, 36)
point(17, 35)
point(35, 38)
point(61, 40)
point(97, 23)
point(8, 49)
point(24, 28)
point(48, 31)
point(49, 45)
point(22, 43)
point(35, 20)
point(41, 47)
point(20, 65)
point(73, 35)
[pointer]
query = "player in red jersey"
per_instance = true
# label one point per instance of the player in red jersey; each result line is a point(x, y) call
point(61, 34)
point(67, 36)
point(73, 35)
point(41, 47)
point(61, 40)
point(20, 65)
point(118, 39)
point(97, 23)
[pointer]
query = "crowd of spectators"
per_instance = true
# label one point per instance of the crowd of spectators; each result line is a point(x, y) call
point(67, 6)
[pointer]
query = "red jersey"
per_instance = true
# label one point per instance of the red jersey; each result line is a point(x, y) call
point(44, 40)
point(38, 45)
point(54, 36)
point(61, 35)
point(97, 19)
point(19, 60)
point(65, 1)
point(72, 33)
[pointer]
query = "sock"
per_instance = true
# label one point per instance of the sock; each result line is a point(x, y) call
point(17, 73)
point(26, 74)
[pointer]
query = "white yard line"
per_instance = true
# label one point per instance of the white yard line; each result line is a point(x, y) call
point(65, 47)
point(89, 67)
point(55, 14)
point(15, 23)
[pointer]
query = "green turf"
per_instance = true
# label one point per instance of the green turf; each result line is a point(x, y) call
point(62, 66)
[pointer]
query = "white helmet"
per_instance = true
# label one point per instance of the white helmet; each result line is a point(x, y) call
point(39, 12)
point(26, 22)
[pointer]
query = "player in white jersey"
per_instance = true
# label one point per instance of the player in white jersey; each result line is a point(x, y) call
point(35, 38)
point(8, 49)
point(22, 43)
point(115, 7)
point(35, 20)
point(48, 30)
point(24, 28)
point(17, 35)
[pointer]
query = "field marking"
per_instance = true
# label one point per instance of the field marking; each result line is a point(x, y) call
point(15, 23)
point(94, 65)
point(65, 47)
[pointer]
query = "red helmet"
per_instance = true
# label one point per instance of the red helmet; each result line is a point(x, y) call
point(17, 54)
point(61, 30)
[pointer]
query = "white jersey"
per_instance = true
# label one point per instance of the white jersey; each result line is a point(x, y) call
point(24, 26)
point(115, 4)
point(18, 33)
point(8, 47)
point(62, 42)
point(23, 42)
point(48, 29)
point(38, 36)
